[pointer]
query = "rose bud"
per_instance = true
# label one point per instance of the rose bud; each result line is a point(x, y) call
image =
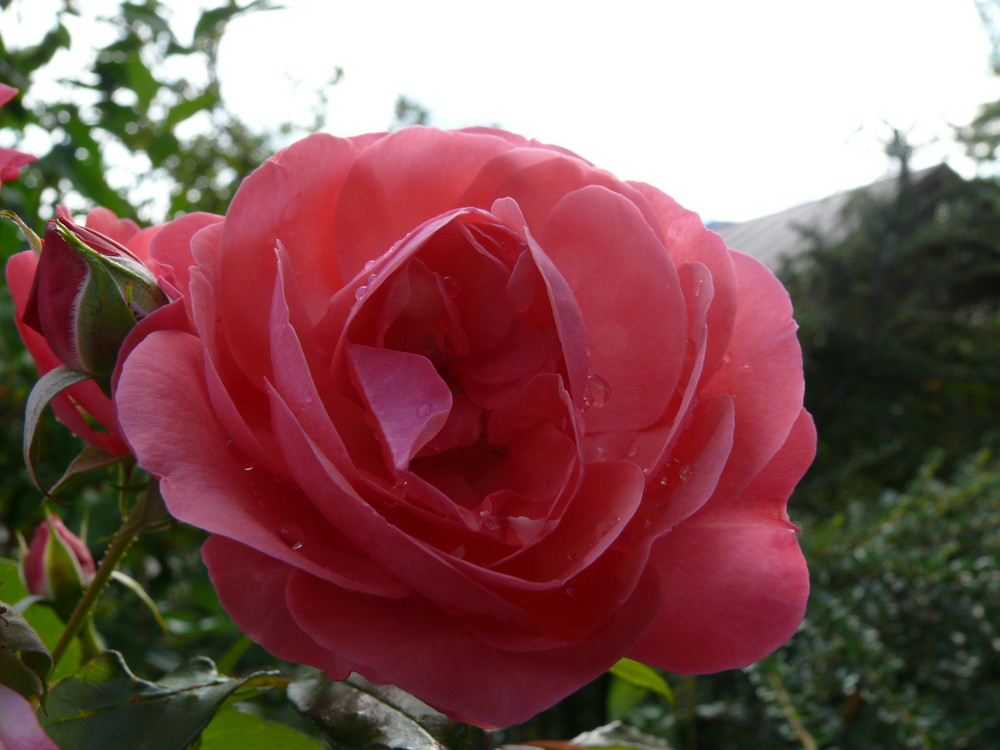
point(88, 293)
point(57, 566)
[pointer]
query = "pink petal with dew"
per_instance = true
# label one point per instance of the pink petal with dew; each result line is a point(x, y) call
point(762, 373)
point(205, 480)
point(251, 588)
point(405, 396)
point(734, 579)
point(433, 652)
point(688, 241)
point(629, 294)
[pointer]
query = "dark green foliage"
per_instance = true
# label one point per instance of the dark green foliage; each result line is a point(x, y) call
point(899, 323)
point(901, 644)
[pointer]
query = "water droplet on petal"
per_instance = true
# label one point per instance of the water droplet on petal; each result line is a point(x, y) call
point(400, 483)
point(371, 278)
point(597, 392)
point(452, 285)
point(664, 480)
point(369, 265)
point(292, 536)
point(632, 452)
point(360, 292)
point(684, 473)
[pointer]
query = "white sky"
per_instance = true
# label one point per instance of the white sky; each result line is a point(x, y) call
point(737, 108)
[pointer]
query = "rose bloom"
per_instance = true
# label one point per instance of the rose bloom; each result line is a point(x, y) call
point(467, 415)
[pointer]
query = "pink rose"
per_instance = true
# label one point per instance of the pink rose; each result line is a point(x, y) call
point(470, 416)
point(11, 160)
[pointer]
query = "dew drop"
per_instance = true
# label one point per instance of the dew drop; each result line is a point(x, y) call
point(596, 392)
point(371, 279)
point(632, 452)
point(684, 473)
point(360, 292)
point(369, 265)
point(400, 483)
point(291, 535)
point(664, 480)
point(452, 285)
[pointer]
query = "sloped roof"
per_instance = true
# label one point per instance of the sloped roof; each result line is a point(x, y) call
point(769, 238)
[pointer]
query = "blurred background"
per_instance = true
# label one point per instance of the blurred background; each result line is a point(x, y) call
point(852, 147)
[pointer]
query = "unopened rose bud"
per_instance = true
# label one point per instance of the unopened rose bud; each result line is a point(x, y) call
point(57, 566)
point(88, 293)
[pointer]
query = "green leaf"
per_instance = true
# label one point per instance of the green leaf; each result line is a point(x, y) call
point(360, 715)
point(89, 459)
point(42, 618)
point(623, 697)
point(188, 107)
point(104, 705)
point(50, 385)
point(25, 662)
point(232, 729)
point(642, 676)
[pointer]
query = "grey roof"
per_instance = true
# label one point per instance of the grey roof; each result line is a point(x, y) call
point(769, 238)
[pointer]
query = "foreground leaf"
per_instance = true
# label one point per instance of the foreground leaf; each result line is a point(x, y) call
point(42, 618)
point(105, 706)
point(234, 730)
point(50, 385)
point(638, 674)
point(25, 663)
point(360, 715)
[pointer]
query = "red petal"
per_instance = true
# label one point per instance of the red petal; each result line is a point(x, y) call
point(734, 580)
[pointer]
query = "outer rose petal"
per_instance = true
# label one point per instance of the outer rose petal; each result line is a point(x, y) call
point(19, 728)
point(434, 656)
point(735, 582)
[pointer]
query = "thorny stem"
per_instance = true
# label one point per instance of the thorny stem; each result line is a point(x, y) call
point(130, 528)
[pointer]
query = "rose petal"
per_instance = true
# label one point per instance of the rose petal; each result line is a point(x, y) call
point(734, 580)
point(402, 181)
point(251, 588)
point(433, 653)
point(405, 395)
point(633, 308)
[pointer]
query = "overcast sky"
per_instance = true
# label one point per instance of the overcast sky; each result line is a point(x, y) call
point(736, 108)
